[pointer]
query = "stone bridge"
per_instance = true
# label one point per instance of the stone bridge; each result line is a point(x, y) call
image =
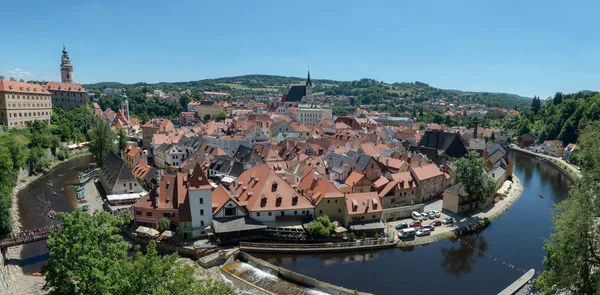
point(26, 237)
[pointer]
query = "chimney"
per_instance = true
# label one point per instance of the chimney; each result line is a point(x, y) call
point(21, 80)
point(476, 128)
point(368, 204)
point(331, 178)
point(315, 176)
point(387, 162)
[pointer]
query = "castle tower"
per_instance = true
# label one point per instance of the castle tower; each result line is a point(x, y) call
point(125, 106)
point(66, 69)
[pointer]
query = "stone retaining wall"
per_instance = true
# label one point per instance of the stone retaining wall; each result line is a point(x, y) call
point(401, 212)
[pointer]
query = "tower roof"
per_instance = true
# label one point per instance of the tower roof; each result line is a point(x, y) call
point(65, 61)
point(308, 82)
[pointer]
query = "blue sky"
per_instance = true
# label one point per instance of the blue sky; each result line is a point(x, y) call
point(525, 47)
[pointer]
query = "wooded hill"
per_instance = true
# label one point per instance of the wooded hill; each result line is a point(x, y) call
point(366, 91)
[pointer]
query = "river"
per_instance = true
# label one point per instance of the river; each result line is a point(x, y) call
point(514, 239)
point(36, 200)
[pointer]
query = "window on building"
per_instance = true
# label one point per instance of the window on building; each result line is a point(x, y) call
point(328, 201)
point(138, 213)
point(230, 212)
point(149, 213)
point(201, 200)
point(201, 212)
point(202, 222)
point(270, 213)
point(339, 210)
point(257, 214)
point(320, 211)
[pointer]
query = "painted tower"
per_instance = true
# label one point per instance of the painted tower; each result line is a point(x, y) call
point(66, 69)
point(125, 106)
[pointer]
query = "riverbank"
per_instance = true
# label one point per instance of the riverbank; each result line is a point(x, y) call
point(446, 231)
point(17, 280)
point(567, 168)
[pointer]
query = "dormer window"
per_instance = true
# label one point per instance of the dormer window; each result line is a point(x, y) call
point(278, 201)
point(274, 187)
point(263, 201)
point(294, 200)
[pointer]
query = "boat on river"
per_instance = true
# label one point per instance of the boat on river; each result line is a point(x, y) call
point(62, 189)
point(52, 214)
point(49, 184)
point(541, 195)
point(54, 193)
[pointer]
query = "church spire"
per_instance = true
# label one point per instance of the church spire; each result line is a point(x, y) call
point(308, 82)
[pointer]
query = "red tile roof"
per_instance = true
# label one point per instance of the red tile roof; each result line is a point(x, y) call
point(60, 86)
point(220, 197)
point(132, 151)
point(427, 171)
point(353, 178)
point(317, 190)
point(22, 87)
point(361, 203)
point(263, 190)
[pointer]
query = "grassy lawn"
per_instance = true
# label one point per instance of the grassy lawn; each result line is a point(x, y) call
point(22, 139)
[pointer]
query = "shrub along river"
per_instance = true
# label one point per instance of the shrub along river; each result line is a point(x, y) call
point(483, 263)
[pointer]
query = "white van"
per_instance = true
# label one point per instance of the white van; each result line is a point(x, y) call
point(416, 215)
point(407, 232)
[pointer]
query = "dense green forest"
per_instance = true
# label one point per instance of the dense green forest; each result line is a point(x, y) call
point(366, 91)
point(563, 117)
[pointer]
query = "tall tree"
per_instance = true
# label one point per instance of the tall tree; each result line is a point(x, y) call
point(184, 99)
point(122, 144)
point(536, 105)
point(471, 174)
point(88, 256)
point(102, 141)
point(558, 98)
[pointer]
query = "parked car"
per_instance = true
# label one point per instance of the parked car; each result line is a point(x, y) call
point(428, 226)
point(416, 215)
point(436, 213)
point(401, 225)
point(407, 233)
point(431, 215)
point(448, 220)
point(436, 223)
point(423, 232)
point(415, 223)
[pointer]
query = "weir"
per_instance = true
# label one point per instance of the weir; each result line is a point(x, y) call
point(266, 278)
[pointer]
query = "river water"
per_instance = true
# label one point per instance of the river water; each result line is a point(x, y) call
point(515, 238)
point(37, 199)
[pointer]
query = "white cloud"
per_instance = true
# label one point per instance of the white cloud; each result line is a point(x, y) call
point(20, 73)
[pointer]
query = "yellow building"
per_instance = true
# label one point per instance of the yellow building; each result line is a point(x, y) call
point(323, 194)
point(22, 102)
